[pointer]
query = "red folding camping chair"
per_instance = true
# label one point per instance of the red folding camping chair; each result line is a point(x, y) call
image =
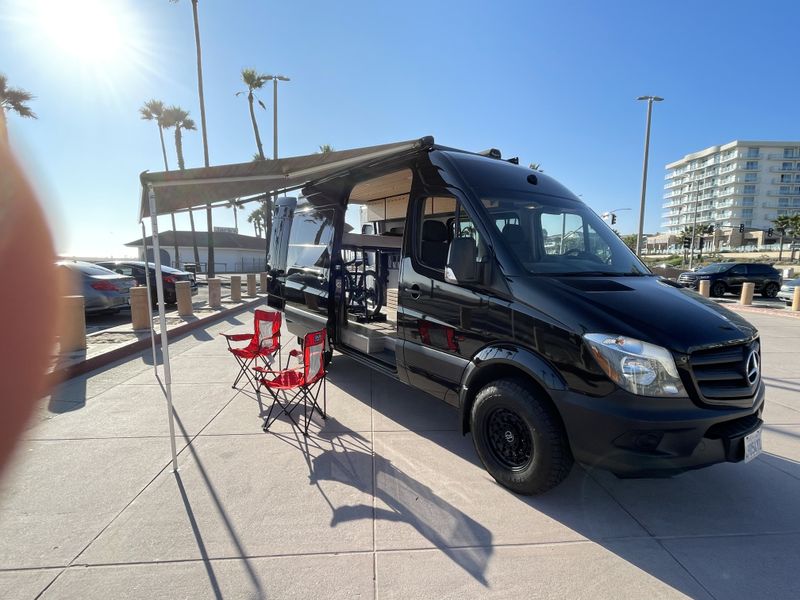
point(264, 343)
point(290, 387)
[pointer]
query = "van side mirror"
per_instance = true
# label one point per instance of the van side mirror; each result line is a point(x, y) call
point(462, 261)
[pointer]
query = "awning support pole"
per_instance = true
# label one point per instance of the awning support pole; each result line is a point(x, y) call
point(162, 319)
point(149, 299)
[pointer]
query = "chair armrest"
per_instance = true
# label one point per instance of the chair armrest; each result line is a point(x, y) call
point(296, 353)
point(237, 337)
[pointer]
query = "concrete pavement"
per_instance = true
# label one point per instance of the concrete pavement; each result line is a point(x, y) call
point(384, 500)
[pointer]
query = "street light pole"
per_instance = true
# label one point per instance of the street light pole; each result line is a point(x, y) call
point(275, 79)
point(650, 100)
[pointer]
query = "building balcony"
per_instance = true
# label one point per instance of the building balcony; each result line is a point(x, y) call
point(781, 169)
point(793, 191)
point(782, 156)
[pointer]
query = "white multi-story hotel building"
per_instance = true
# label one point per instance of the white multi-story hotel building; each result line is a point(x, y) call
point(740, 183)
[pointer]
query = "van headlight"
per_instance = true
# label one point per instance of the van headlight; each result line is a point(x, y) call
point(638, 367)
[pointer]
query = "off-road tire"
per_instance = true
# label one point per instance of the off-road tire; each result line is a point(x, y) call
point(501, 402)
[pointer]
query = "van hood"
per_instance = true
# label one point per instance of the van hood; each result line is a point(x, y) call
point(647, 308)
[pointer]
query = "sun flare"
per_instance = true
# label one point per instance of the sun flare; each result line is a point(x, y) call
point(88, 31)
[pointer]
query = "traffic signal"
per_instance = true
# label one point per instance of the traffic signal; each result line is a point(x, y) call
point(741, 228)
point(701, 243)
point(613, 218)
point(769, 232)
point(687, 242)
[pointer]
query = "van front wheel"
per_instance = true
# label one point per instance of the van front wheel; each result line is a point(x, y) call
point(519, 439)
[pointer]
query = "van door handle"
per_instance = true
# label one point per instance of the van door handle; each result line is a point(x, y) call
point(413, 291)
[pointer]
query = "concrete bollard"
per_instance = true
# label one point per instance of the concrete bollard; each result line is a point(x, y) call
point(705, 288)
point(236, 288)
point(263, 286)
point(747, 293)
point(183, 290)
point(140, 315)
point(214, 292)
point(73, 330)
point(251, 284)
point(796, 299)
point(788, 273)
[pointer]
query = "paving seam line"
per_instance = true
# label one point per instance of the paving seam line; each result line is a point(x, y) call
point(652, 536)
point(132, 500)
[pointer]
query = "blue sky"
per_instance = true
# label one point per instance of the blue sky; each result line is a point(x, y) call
point(551, 82)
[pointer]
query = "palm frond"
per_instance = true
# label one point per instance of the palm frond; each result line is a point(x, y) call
point(189, 124)
point(15, 99)
point(253, 79)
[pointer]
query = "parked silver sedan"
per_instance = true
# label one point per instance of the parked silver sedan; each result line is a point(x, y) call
point(102, 290)
point(787, 290)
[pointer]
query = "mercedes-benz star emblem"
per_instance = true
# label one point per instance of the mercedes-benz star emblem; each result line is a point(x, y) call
point(752, 367)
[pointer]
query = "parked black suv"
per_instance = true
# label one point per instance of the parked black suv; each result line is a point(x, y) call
point(729, 277)
point(510, 299)
point(135, 268)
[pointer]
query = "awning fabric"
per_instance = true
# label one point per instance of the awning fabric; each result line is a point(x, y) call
point(181, 190)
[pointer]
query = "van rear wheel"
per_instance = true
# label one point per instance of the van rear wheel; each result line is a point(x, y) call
point(519, 438)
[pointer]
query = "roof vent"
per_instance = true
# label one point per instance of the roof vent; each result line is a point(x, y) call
point(491, 153)
point(533, 180)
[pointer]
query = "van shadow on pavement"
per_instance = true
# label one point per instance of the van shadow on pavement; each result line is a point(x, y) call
point(722, 504)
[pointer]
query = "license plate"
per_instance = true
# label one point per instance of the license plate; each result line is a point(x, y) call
point(752, 445)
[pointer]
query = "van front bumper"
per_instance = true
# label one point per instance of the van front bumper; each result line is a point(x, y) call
point(635, 436)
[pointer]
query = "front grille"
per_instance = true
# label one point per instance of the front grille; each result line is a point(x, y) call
point(686, 279)
point(727, 375)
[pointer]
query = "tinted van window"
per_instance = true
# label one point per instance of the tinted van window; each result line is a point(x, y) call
point(310, 241)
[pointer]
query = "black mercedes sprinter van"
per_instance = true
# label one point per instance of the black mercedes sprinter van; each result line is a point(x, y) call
point(494, 288)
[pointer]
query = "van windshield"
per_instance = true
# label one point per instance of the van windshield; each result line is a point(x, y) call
point(559, 236)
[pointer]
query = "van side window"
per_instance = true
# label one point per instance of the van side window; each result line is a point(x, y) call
point(442, 218)
point(434, 236)
point(310, 242)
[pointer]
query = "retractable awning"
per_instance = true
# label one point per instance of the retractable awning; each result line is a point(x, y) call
point(182, 190)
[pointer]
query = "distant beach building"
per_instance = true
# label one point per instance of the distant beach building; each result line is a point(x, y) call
point(233, 253)
point(742, 184)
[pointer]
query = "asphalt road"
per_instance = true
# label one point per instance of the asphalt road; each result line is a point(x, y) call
point(95, 323)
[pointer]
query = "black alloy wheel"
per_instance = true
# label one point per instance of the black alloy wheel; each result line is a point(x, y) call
point(770, 290)
point(509, 439)
point(718, 289)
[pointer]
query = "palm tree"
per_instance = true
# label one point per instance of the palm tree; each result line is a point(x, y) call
point(176, 117)
point(153, 110)
point(257, 219)
point(536, 167)
point(234, 204)
point(13, 100)
point(198, 51)
point(787, 226)
point(254, 81)
point(325, 148)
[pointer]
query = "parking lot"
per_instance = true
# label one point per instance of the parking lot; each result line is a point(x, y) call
point(384, 500)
